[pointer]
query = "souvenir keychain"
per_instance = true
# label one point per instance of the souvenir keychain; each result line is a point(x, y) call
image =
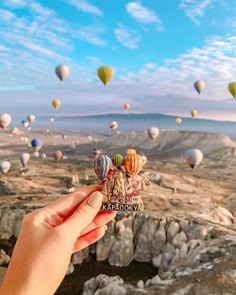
point(118, 176)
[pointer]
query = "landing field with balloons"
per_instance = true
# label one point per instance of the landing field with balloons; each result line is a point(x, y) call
point(46, 157)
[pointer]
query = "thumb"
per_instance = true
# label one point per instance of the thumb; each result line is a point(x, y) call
point(83, 215)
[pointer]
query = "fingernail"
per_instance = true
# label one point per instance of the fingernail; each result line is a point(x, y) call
point(95, 200)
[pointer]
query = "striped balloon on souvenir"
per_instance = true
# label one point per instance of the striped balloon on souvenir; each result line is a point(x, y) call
point(133, 163)
point(102, 165)
point(117, 160)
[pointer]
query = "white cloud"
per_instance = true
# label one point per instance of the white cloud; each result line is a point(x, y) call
point(143, 14)
point(91, 35)
point(15, 3)
point(4, 48)
point(85, 6)
point(128, 38)
point(195, 9)
point(6, 15)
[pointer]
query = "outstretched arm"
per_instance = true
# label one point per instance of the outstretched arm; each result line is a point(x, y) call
point(48, 238)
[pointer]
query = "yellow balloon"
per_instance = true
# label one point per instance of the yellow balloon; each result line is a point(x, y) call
point(178, 120)
point(232, 88)
point(105, 74)
point(194, 113)
point(56, 103)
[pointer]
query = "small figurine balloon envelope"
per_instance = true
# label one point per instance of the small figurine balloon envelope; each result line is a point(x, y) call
point(119, 179)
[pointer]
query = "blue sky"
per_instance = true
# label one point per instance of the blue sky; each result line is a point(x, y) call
point(157, 49)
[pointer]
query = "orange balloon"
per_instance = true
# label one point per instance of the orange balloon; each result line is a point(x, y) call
point(126, 106)
point(133, 163)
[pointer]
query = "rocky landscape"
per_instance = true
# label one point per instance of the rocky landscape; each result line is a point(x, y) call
point(184, 241)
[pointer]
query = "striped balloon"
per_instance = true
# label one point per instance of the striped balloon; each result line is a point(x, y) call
point(133, 163)
point(117, 160)
point(105, 74)
point(102, 165)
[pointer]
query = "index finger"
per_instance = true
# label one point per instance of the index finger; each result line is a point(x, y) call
point(66, 205)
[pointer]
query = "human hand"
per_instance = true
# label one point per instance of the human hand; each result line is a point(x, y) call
point(48, 238)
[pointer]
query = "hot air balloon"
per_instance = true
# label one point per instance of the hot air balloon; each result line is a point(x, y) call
point(57, 155)
point(51, 120)
point(113, 125)
point(5, 120)
point(102, 164)
point(144, 158)
point(5, 166)
point(199, 86)
point(194, 113)
point(133, 163)
point(36, 145)
point(15, 131)
point(178, 120)
point(232, 88)
point(105, 74)
point(117, 160)
point(36, 154)
point(31, 118)
point(131, 151)
point(29, 129)
point(126, 106)
point(43, 156)
point(153, 132)
point(62, 71)
point(25, 124)
point(193, 157)
point(24, 158)
point(96, 152)
point(56, 103)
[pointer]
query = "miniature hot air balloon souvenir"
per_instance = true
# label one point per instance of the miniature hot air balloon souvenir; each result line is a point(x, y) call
point(102, 165)
point(117, 160)
point(120, 186)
